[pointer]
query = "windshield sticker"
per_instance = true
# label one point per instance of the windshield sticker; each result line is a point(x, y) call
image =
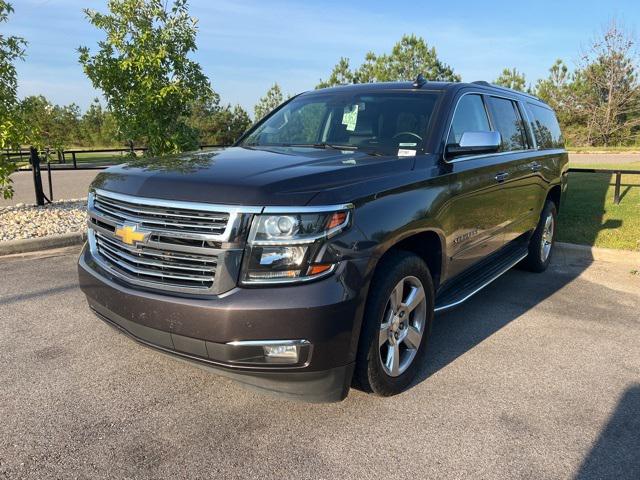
point(407, 144)
point(406, 153)
point(350, 117)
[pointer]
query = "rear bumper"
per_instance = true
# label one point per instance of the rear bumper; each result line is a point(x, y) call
point(326, 313)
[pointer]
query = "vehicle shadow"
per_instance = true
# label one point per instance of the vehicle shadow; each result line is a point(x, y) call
point(457, 331)
point(616, 452)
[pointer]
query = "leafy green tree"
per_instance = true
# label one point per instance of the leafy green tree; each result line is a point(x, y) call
point(145, 73)
point(97, 126)
point(408, 58)
point(216, 124)
point(272, 99)
point(12, 131)
point(511, 78)
point(51, 125)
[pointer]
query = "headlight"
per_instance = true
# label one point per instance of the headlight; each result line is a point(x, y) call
point(283, 247)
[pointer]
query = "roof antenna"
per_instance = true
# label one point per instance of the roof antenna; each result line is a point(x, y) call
point(419, 81)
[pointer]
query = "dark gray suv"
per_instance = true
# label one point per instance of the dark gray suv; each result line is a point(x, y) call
point(313, 254)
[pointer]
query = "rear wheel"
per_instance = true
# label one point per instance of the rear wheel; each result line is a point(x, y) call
point(397, 324)
point(543, 240)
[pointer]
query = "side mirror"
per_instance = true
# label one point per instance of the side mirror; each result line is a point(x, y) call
point(475, 143)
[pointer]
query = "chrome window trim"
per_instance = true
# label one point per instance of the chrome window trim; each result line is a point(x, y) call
point(473, 157)
point(522, 106)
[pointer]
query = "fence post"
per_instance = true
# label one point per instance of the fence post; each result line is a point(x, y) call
point(616, 194)
point(73, 157)
point(131, 148)
point(50, 183)
point(34, 159)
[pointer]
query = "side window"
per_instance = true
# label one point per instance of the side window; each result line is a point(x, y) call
point(507, 121)
point(545, 127)
point(470, 116)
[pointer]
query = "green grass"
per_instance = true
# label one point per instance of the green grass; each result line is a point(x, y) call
point(589, 216)
point(606, 166)
point(632, 149)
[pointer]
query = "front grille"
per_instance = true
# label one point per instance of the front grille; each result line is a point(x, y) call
point(159, 267)
point(183, 243)
point(167, 219)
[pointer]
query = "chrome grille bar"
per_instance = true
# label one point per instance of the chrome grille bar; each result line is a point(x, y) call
point(183, 243)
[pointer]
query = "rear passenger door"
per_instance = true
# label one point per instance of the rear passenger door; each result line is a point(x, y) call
point(477, 210)
point(521, 182)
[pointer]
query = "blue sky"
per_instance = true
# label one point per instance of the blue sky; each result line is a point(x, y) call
point(246, 45)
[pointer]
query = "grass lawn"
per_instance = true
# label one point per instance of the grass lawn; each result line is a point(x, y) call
point(634, 149)
point(589, 216)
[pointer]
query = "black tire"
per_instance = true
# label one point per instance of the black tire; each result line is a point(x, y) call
point(536, 261)
point(370, 374)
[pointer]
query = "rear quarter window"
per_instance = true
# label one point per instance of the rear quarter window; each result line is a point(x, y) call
point(507, 121)
point(545, 127)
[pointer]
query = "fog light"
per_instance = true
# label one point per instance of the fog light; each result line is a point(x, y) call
point(284, 352)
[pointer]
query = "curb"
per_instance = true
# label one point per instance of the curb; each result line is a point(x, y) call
point(574, 252)
point(42, 243)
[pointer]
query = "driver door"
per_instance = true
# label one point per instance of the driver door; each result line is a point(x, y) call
point(478, 210)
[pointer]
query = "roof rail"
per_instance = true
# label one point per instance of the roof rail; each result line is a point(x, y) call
point(484, 83)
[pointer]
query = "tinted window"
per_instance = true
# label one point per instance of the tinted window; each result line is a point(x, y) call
point(507, 121)
point(470, 116)
point(545, 127)
point(377, 121)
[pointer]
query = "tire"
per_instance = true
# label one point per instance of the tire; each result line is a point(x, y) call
point(542, 241)
point(383, 323)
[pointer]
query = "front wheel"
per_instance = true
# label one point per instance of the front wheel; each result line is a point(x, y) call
point(543, 240)
point(397, 323)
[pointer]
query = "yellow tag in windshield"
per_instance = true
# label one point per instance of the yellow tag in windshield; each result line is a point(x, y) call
point(350, 117)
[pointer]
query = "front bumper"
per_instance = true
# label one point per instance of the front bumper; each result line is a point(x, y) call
point(326, 313)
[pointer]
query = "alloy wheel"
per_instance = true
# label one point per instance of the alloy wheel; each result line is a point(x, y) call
point(547, 238)
point(402, 326)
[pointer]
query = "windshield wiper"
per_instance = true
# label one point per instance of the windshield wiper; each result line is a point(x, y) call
point(333, 146)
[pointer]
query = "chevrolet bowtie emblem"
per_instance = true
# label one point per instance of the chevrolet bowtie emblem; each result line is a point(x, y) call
point(129, 234)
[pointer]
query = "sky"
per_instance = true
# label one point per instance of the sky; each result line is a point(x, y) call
point(244, 46)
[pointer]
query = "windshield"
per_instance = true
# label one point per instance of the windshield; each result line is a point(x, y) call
point(390, 123)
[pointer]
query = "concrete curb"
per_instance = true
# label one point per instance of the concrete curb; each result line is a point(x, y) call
point(573, 252)
point(42, 243)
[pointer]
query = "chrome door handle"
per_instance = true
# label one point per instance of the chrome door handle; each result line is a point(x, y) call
point(502, 176)
point(536, 167)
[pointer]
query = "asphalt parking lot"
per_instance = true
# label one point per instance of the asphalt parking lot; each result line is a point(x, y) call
point(536, 377)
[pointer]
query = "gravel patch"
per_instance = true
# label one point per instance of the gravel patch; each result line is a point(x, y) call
point(30, 221)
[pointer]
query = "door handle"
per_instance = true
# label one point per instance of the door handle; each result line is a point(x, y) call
point(536, 167)
point(502, 176)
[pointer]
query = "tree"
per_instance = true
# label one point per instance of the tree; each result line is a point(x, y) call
point(511, 78)
point(272, 99)
point(12, 131)
point(408, 58)
point(97, 126)
point(610, 91)
point(216, 124)
point(51, 125)
point(144, 71)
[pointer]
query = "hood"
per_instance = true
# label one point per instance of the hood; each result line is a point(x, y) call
point(249, 176)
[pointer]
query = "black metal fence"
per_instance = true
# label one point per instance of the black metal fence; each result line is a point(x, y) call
point(80, 159)
point(32, 160)
point(617, 172)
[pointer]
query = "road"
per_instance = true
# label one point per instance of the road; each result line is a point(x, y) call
point(536, 377)
point(69, 184)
